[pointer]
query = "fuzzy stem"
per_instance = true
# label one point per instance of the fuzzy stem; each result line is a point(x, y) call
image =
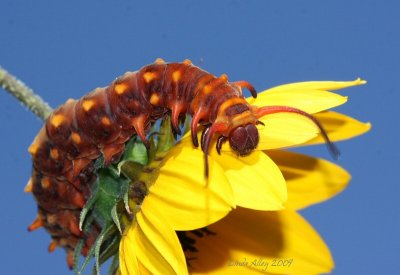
point(24, 94)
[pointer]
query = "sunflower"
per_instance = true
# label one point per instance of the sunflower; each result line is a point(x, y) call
point(273, 242)
point(180, 199)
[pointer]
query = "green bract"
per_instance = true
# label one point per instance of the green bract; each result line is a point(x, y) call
point(118, 193)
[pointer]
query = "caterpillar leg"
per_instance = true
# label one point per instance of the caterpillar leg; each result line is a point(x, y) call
point(112, 152)
point(221, 139)
point(206, 141)
point(193, 127)
point(176, 112)
point(203, 135)
point(138, 124)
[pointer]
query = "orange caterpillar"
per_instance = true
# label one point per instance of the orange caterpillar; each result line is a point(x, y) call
point(100, 123)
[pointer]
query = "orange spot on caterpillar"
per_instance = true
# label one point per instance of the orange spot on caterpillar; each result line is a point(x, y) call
point(88, 104)
point(29, 186)
point(51, 219)
point(76, 138)
point(176, 76)
point(106, 121)
point(121, 88)
point(149, 76)
point(56, 120)
point(154, 99)
point(207, 89)
point(54, 153)
point(45, 182)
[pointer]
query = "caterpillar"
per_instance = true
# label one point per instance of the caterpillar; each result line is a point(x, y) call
point(99, 124)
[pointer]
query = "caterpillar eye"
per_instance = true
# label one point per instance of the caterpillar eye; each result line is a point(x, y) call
point(244, 139)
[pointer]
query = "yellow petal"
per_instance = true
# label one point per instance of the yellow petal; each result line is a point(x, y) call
point(127, 257)
point(257, 238)
point(128, 254)
point(256, 180)
point(188, 200)
point(310, 101)
point(285, 130)
point(317, 85)
point(339, 127)
point(151, 246)
point(310, 96)
point(159, 243)
point(309, 180)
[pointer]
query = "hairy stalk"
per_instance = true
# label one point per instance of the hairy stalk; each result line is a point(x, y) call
point(24, 94)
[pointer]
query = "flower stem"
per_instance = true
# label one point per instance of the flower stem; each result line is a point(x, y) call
point(24, 94)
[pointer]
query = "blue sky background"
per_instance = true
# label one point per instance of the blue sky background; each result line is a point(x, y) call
point(65, 49)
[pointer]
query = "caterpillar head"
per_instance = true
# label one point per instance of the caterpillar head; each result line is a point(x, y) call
point(243, 139)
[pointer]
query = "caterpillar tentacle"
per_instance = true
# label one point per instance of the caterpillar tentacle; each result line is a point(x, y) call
point(263, 111)
point(101, 122)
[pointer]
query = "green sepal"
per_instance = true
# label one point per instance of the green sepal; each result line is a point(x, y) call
point(166, 137)
point(88, 206)
point(111, 249)
point(135, 151)
point(111, 190)
point(77, 254)
point(79, 246)
point(126, 203)
point(115, 218)
point(107, 232)
point(131, 169)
